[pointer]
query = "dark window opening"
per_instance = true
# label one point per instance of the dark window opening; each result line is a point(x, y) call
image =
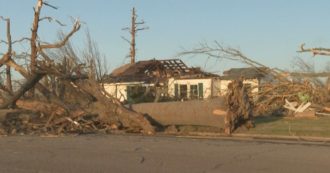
point(200, 90)
point(138, 94)
point(176, 90)
point(193, 91)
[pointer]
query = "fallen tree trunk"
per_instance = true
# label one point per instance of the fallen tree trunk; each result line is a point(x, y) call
point(30, 83)
point(112, 110)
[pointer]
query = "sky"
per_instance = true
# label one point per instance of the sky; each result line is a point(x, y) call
point(268, 31)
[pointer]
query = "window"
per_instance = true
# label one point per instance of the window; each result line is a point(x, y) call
point(193, 91)
point(135, 93)
point(183, 91)
point(200, 90)
point(176, 90)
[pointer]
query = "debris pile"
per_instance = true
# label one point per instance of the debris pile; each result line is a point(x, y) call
point(62, 92)
point(302, 110)
point(91, 112)
point(283, 97)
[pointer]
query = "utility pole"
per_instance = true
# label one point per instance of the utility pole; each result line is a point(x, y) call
point(135, 27)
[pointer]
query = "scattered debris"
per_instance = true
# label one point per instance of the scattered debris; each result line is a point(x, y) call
point(302, 110)
point(171, 130)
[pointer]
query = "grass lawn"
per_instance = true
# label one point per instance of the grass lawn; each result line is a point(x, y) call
point(317, 127)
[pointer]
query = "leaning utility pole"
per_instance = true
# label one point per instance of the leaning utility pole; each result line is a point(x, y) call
point(133, 31)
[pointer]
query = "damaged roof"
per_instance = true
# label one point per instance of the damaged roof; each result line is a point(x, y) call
point(246, 73)
point(154, 70)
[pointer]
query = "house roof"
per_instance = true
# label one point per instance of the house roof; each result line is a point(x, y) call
point(138, 68)
point(247, 73)
point(154, 70)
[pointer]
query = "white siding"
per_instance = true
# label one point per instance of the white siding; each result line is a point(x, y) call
point(212, 87)
point(216, 87)
point(253, 82)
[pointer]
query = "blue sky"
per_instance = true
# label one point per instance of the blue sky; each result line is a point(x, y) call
point(269, 31)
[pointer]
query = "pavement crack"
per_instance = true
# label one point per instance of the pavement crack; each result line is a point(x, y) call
point(142, 160)
point(217, 166)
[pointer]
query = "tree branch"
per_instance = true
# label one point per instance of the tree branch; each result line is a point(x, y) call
point(75, 28)
point(315, 51)
point(51, 19)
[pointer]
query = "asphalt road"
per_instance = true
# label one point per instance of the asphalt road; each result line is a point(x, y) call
point(111, 153)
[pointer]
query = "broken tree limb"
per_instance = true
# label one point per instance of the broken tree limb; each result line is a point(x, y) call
point(4, 59)
point(312, 75)
point(75, 28)
point(128, 118)
point(34, 35)
point(315, 51)
point(220, 52)
point(30, 83)
point(25, 74)
point(9, 54)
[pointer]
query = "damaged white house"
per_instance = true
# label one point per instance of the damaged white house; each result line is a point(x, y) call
point(171, 79)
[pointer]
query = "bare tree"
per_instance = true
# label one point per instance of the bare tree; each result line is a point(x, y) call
point(37, 49)
point(9, 56)
point(94, 59)
point(133, 30)
point(74, 86)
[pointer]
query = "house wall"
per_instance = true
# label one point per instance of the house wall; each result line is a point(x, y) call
point(207, 86)
point(224, 85)
point(216, 87)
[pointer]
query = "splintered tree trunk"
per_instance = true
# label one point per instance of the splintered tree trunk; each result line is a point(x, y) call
point(30, 83)
point(61, 84)
point(8, 79)
point(8, 70)
point(34, 36)
point(26, 75)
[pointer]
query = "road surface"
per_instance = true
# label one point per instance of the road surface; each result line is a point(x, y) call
point(115, 153)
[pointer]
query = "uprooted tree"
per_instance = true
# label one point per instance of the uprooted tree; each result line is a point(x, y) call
point(65, 92)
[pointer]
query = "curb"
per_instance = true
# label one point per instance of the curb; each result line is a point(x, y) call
point(306, 140)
